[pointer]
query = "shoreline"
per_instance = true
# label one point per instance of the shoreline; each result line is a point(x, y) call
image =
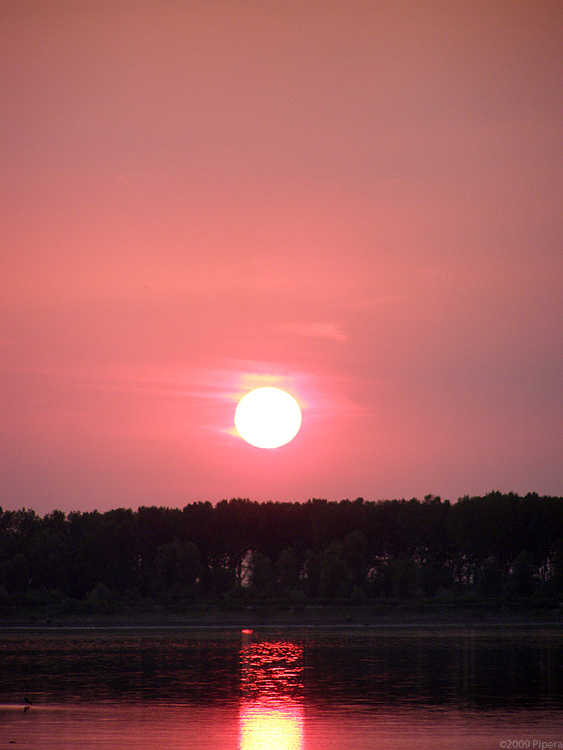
point(311, 617)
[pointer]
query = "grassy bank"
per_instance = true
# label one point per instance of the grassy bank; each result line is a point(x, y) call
point(460, 611)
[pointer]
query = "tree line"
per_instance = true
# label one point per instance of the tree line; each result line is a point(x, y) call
point(239, 551)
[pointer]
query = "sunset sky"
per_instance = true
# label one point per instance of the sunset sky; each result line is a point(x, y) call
point(359, 202)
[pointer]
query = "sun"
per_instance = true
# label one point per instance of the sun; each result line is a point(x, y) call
point(268, 417)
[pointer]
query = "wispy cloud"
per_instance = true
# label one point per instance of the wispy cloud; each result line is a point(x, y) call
point(316, 330)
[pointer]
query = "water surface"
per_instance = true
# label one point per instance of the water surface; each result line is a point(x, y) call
point(289, 690)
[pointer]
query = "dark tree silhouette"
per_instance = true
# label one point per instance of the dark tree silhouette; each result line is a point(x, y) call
point(495, 545)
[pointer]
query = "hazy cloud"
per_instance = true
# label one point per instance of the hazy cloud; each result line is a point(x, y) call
point(316, 330)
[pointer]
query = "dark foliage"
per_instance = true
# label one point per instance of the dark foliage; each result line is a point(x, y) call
point(240, 551)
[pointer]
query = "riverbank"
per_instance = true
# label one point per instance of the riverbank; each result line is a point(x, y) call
point(426, 613)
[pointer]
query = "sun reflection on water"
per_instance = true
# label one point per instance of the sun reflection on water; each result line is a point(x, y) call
point(271, 711)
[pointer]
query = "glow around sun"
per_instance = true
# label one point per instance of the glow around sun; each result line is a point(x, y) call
point(268, 417)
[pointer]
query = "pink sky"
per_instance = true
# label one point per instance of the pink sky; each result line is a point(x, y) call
point(359, 202)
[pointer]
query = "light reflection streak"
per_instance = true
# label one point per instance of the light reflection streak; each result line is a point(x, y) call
point(271, 727)
point(271, 710)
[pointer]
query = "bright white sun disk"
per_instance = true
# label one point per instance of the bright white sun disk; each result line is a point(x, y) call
point(268, 417)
